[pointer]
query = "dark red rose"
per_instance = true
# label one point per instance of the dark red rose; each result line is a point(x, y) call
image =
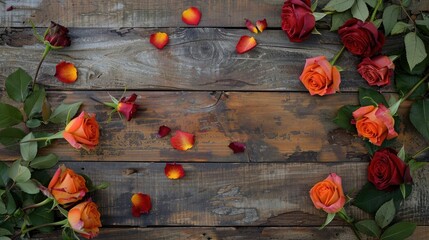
point(387, 171)
point(376, 71)
point(361, 38)
point(127, 106)
point(297, 19)
point(57, 35)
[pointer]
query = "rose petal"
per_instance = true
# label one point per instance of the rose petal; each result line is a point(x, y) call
point(66, 72)
point(191, 16)
point(174, 171)
point(237, 147)
point(182, 140)
point(10, 8)
point(245, 44)
point(159, 39)
point(261, 25)
point(141, 204)
point(250, 26)
point(163, 131)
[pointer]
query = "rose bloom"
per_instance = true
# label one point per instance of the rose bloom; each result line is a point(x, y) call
point(320, 77)
point(82, 131)
point(361, 38)
point(57, 35)
point(127, 106)
point(84, 218)
point(297, 19)
point(376, 71)
point(328, 194)
point(375, 123)
point(387, 171)
point(66, 186)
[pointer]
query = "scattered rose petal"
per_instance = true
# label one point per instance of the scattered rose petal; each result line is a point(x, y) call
point(174, 171)
point(66, 72)
point(159, 39)
point(10, 8)
point(245, 44)
point(261, 25)
point(141, 204)
point(163, 131)
point(237, 147)
point(191, 16)
point(182, 140)
point(250, 26)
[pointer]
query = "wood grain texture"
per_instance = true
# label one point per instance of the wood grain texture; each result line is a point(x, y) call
point(276, 127)
point(232, 194)
point(195, 59)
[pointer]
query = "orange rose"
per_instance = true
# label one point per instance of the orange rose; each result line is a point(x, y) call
point(66, 186)
point(82, 131)
point(320, 77)
point(328, 194)
point(84, 218)
point(375, 123)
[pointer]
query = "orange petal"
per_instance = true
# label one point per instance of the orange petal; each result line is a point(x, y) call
point(245, 44)
point(182, 140)
point(261, 25)
point(191, 16)
point(250, 26)
point(159, 39)
point(174, 171)
point(66, 72)
point(141, 204)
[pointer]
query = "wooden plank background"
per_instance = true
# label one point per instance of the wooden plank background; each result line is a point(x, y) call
point(199, 84)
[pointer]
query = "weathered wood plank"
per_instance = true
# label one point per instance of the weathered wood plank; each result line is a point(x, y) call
point(195, 59)
point(227, 194)
point(276, 127)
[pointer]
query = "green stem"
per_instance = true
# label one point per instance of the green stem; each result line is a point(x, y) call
point(45, 53)
point(406, 13)
point(62, 222)
point(375, 10)
point(57, 135)
point(337, 55)
point(415, 87)
point(343, 215)
point(421, 151)
point(46, 201)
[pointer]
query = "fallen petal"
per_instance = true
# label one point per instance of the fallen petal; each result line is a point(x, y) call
point(182, 140)
point(191, 16)
point(245, 44)
point(261, 25)
point(66, 72)
point(159, 39)
point(163, 131)
point(10, 8)
point(174, 171)
point(237, 147)
point(250, 26)
point(141, 204)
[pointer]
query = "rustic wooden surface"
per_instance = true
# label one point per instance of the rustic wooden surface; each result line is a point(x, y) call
point(199, 84)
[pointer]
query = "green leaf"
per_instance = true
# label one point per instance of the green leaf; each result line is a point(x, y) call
point(338, 5)
point(33, 123)
point(17, 85)
point(329, 218)
point(338, 19)
point(385, 214)
point(374, 95)
point(34, 103)
point(10, 203)
point(390, 17)
point(360, 10)
point(4, 176)
point(400, 27)
point(4, 238)
point(406, 3)
point(19, 173)
point(28, 187)
point(3, 209)
point(369, 227)
point(61, 112)
point(9, 115)
point(401, 153)
point(42, 215)
point(404, 83)
point(44, 162)
point(318, 15)
point(423, 26)
point(403, 191)
point(344, 117)
point(314, 6)
point(371, 3)
point(399, 231)
point(5, 232)
point(415, 49)
point(377, 23)
point(46, 110)
point(28, 147)
point(419, 116)
point(414, 165)
point(11, 136)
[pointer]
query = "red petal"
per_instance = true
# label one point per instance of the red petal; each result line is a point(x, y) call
point(261, 25)
point(182, 140)
point(250, 26)
point(66, 72)
point(245, 44)
point(10, 8)
point(163, 131)
point(191, 16)
point(159, 39)
point(141, 204)
point(237, 147)
point(174, 171)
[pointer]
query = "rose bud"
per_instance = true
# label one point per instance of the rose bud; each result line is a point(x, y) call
point(127, 107)
point(57, 35)
point(66, 186)
point(376, 71)
point(328, 194)
point(320, 77)
point(82, 131)
point(297, 19)
point(84, 218)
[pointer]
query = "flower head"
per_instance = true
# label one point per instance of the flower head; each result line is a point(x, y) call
point(320, 77)
point(84, 218)
point(57, 35)
point(66, 186)
point(82, 131)
point(127, 106)
point(328, 194)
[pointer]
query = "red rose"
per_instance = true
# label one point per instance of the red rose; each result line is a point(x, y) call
point(361, 38)
point(297, 19)
point(127, 106)
point(387, 171)
point(376, 71)
point(57, 35)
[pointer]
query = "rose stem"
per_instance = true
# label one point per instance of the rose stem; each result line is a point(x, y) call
point(47, 200)
point(337, 56)
point(415, 87)
point(405, 11)
point(420, 152)
point(62, 222)
point(45, 53)
point(375, 10)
